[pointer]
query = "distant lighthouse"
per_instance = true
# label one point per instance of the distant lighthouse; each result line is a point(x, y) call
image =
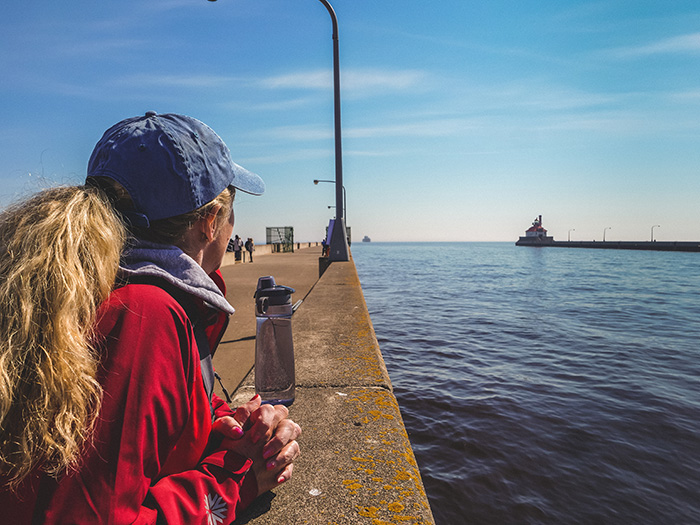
point(535, 235)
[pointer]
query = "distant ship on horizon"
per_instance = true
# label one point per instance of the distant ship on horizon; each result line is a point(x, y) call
point(366, 239)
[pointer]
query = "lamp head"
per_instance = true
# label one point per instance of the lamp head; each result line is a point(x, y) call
point(315, 180)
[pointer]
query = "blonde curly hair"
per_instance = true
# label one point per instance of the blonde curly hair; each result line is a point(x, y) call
point(59, 256)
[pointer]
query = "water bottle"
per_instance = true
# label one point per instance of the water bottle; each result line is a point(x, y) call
point(274, 350)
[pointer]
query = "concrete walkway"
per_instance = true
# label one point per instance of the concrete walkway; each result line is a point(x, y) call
point(357, 464)
point(235, 356)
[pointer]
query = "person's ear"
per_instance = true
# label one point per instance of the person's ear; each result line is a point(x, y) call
point(208, 224)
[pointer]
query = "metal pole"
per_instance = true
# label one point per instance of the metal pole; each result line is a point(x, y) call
point(571, 230)
point(339, 242)
point(652, 231)
point(336, 103)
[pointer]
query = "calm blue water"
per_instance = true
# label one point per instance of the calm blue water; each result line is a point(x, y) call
point(544, 385)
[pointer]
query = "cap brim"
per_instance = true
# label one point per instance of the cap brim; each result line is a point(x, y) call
point(247, 181)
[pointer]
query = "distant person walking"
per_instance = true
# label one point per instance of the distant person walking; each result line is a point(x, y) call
point(237, 247)
point(250, 246)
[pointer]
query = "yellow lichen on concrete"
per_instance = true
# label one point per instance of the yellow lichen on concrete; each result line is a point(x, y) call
point(396, 507)
point(403, 476)
point(368, 512)
point(373, 512)
point(353, 485)
point(377, 414)
point(385, 475)
point(409, 457)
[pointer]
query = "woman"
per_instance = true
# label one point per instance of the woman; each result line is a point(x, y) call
point(106, 406)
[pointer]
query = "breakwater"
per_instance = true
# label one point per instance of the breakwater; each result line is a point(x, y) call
point(357, 464)
point(665, 246)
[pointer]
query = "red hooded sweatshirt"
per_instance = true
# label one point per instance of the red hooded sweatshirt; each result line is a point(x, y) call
point(151, 458)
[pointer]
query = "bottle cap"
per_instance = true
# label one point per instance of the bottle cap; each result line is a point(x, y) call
point(268, 288)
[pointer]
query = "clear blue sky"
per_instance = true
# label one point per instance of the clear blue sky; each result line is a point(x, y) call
point(462, 120)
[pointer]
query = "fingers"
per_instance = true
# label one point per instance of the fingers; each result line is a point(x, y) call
point(271, 441)
point(286, 431)
point(228, 427)
point(264, 420)
point(244, 411)
point(265, 432)
point(233, 427)
point(284, 458)
point(286, 474)
point(269, 479)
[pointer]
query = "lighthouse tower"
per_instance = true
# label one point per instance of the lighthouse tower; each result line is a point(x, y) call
point(536, 235)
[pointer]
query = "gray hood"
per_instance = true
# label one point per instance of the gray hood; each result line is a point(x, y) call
point(176, 267)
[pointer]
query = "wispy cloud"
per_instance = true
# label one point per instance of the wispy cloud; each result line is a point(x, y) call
point(426, 128)
point(128, 87)
point(687, 96)
point(521, 96)
point(303, 80)
point(681, 44)
point(185, 80)
point(350, 80)
point(417, 128)
point(298, 154)
point(386, 80)
point(540, 96)
point(300, 133)
point(269, 105)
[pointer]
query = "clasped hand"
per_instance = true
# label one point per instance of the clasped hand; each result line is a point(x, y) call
point(264, 434)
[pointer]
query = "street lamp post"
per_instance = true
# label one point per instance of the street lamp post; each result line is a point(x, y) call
point(338, 242)
point(652, 231)
point(569, 236)
point(607, 228)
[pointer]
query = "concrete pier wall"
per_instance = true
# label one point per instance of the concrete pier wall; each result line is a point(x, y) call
point(357, 464)
point(661, 246)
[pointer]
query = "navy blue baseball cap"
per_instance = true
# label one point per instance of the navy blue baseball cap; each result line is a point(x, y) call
point(169, 164)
